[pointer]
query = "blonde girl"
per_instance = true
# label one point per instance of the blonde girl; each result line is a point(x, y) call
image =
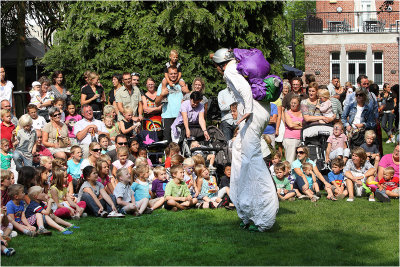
point(127, 126)
point(141, 188)
point(123, 161)
point(189, 176)
point(208, 187)
point(280, 124)
point(64, 206)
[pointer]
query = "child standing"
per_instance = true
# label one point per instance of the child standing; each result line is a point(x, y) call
point(7, 127)
point(64, 206)
point(70, 120)
point(173, 62)
point(325, 105)
point(207, 185)
point(283, 188)
point(124, 193)
point(371, 149)
point(123, 161)
point(336, 178)
point(127, 126)
point(6, 155)
point(141, 188)
point(177, 194)
point(337, 146)
point(15, 210)
point(388, 186)
point(23, 154)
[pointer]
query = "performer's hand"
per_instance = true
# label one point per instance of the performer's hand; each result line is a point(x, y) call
point(245, 117)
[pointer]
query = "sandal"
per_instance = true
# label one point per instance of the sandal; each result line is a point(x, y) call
point(331, 198)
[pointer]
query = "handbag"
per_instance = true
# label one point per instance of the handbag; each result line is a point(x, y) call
point(357, 138)
point(64, 141)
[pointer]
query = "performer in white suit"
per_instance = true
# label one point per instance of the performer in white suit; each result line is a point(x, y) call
point(252, 190)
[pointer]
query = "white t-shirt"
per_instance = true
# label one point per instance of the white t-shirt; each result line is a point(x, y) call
point(357, 118)
point(6, 92)
point(39, 123)
point(80, 125)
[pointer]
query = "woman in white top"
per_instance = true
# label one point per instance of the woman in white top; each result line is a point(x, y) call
point(6, 87)
point(94, 155)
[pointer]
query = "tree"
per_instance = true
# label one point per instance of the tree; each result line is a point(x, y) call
point(113, 37)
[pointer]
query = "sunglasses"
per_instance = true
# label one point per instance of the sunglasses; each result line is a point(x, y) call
point(96, 150)
point(57, 115)
point(123, 143)
point(359, 94)
point(300, 152)
point(135, 74)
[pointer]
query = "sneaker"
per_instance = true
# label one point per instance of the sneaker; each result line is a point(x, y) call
point(114, 214)
point(318, 194)
point(253, 228)
point(292, 199)
point(382, 197)
point(76, 217)
point(371, 199)
point(67, 232)
point(302, 197)
point(104, 214)
point(393, 139)
point(388, 141)
point(350, 200)
point(314, 198)
point(74, 227)
point(44, 231)
point(13, 234)
point(84, 215)
point(31, 233)
point(10, 252)
point(148, 211)
point(244, 225)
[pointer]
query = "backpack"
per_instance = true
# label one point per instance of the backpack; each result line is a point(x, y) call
point(255, 68)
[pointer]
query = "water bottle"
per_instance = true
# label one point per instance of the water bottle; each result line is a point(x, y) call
point(98, 100)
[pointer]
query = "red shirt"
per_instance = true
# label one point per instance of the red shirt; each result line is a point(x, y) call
point(391, 184)
point(6, 132)
point(43, 151)
point(167, 162)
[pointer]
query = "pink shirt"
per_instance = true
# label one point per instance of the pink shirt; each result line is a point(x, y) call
point(337, 142)
point(118, 164)
point(387, 161)
point(106, 181)
point(72, 119)
point(43, 151)
point(289, 132)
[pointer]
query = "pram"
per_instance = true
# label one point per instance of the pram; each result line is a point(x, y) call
point(149, 140)
point(315, 137)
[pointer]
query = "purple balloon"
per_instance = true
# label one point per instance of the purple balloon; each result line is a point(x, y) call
point(252, 63)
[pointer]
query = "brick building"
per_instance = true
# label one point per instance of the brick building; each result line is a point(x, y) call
point(353, 37)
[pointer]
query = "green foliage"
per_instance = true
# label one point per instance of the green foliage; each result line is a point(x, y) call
point(113, 37)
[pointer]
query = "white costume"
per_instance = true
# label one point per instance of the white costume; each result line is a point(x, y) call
point(252, 190)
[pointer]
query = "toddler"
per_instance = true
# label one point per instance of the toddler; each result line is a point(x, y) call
point(104, 143)
point(15, 210)
point(207, 185)
point(39, 213)
point(337, 146)
point(59, 103)
point(70, 120)
point(276, 158)
point(371, 149)
point(38, 121)
point(7, 127)
point(124, 193)
point(388, 186)
point(210, 157)
point(173, 56)
point(111, 126)
point(325, 105)
point(190, 177)
point(141, 188)
point(35, 91)
point(127, 126)
point(123, 161)
point(5, 155)
point(159, 183)
point(142, 152)
point(336, 178)
point(26, 147)
point(283, 188)
point(177, 194)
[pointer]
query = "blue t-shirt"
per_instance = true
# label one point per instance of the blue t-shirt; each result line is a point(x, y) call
point(336, 177)
point(141, 190)
point(175, 96)
point(298, 164)
point(34, 207)
point(16, 210)
point(74, 169)
point(270, 129)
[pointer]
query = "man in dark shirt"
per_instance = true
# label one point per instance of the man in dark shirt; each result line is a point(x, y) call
point(297, 84)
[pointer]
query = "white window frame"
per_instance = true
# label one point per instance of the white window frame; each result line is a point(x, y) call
point(357, 62)
point(334, 61)
point(373, 67)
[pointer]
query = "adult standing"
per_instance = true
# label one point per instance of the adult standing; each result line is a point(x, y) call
point(170, 98)
point(293, 125)
point(58, 88)
point(225, 100)
point(93, 95)
point(388, 103)
point(55, 133)
point(88, 129)
point(117, 83)
point(6, 88)
point(150, 109)
point(199, 86)
point(252, 189)
point(340, 92)
point(297, 84)
point(129, 96)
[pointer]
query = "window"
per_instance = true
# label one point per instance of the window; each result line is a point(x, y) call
point(378, 68)
point(335, 64)
point(356, 65)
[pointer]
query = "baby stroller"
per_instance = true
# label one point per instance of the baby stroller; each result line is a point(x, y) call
point(315, 137)
point(149, 140)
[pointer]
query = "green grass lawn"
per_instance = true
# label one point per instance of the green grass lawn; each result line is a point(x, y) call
point(305, 233)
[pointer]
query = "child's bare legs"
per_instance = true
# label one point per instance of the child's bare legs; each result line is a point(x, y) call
point(376, 163)
point(316, 188)
point(211, 158)
point(173, 203)
point(392, 194)
point(156, 204)
point(53, 224)
point(189, 203)
point(130, 208)
point(142, 205)
point(298, 194)
point(182, 84)
point(371, 179)
point(288, 195)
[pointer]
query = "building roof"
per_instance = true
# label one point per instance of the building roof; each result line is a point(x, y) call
point(33, 49)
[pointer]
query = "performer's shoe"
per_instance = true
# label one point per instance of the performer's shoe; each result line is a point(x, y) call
point(243, 225)
point(253, 228)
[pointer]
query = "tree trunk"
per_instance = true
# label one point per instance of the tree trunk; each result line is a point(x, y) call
point(21, 39)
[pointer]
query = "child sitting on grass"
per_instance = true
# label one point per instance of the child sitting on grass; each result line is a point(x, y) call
point(141, 187)
point(158, 186)
point(283, 188)
point(190, 177)
point(306, 182)
point(15, 210)
point(388, 186)
point(276, 158)
point(46, 162)
point(40, 213)
point(171, 150)
point(124, 193)
point(177, 194)
point(74, 168)
point(225, 181)
point(336, 178)
point(371, 149)
point(4, 250)
point(103, 169)
point(207, 185)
